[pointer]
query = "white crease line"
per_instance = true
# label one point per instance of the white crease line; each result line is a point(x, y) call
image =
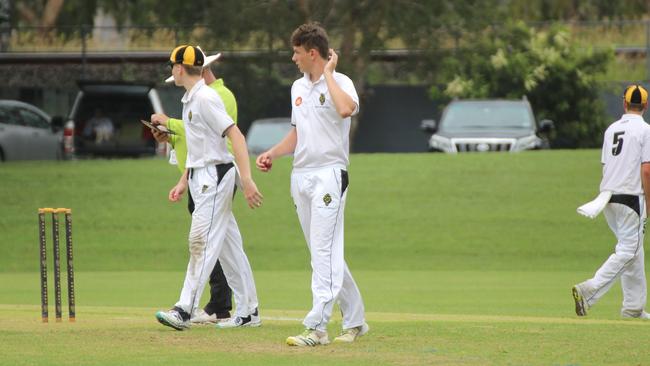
point(281, 318)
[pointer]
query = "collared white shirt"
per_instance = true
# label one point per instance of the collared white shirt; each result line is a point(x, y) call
point(626, 145)
point(206, 122)
point(323, 136)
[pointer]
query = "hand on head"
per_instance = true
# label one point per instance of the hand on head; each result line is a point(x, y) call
point(333, 60)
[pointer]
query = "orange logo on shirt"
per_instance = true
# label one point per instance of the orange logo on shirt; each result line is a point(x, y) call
point(298, 101)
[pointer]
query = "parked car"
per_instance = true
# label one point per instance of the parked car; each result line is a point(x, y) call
point(28, 133)
point(105, 120)
point(263, 134)
point(487, 125)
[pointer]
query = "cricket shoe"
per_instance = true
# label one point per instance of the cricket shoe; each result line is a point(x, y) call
point(201, 317)
point(641, 315)
point(173, 318)
point(309, 338)
point(351, 334)
point(581, 304)
point(252, 320)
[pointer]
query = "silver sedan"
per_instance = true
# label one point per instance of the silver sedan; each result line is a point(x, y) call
point(27, 133)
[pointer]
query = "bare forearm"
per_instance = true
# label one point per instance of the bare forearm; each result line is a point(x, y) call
point(241, 154)
point(645, 181)
point(343, 103)
point(286, 146)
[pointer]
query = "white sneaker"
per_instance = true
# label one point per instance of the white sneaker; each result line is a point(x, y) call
point(579, 299)
point(310, 337)
point(172, 318)
point(642, 315)
point(350, 335)
point(252, 320)
point(201, 317)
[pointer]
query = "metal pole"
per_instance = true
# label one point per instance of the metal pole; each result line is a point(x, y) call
point(83, 52)
point(647, 49)
point(5, 24)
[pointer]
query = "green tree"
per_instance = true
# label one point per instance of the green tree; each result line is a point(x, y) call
point(557, 77)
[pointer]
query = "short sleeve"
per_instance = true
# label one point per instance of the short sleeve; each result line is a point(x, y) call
point(215, 116)
point(645, 146)
point(293, 112)
point(346, 84)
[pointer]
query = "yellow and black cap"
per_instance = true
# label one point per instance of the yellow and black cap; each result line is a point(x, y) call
point(187, 55)
point(636, 94)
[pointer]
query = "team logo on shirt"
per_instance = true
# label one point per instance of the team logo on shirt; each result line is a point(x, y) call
point(327, 199)
point(298, 101)
point(204, 188)
point(190, 116)
point(322, 99)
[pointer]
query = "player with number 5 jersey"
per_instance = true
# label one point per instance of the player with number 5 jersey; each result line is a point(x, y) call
point(626, 175)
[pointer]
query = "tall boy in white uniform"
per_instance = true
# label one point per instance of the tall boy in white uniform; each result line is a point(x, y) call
point(626, 174)
point(322, 103)
point(211, 175)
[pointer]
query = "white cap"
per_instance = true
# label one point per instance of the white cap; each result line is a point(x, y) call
point(206, 63)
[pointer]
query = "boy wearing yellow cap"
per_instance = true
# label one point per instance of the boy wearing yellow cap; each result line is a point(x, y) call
point(210, 176)
point(220, 304)
point(626, 175)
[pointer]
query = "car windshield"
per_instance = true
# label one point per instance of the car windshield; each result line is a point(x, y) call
point(486, 115)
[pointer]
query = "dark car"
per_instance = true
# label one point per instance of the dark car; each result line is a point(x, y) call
point(28, 133)
point(487, 125)
point(105, 120)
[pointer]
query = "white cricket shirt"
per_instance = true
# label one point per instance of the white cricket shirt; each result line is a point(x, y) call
point(206, 122)
point(626, 145)
point(323, 136)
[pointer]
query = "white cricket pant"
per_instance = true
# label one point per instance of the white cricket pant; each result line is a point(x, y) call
point(627, 262)
point(320, 203)
point(214, 234)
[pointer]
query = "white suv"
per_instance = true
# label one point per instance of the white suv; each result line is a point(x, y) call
point(487, 125)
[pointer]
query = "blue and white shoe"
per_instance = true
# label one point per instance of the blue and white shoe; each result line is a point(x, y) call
point(252, 320)
point(172, 318)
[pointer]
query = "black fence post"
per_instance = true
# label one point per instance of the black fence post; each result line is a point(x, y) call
point(647, 49)
point(5, 24)
point(84, 50)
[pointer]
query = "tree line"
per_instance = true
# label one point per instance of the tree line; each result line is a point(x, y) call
point(468, 48)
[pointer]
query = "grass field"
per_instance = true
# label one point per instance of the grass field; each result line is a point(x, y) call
point(462, 260)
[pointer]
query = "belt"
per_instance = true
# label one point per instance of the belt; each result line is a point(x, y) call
point(222, 169)
point(628, 200)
